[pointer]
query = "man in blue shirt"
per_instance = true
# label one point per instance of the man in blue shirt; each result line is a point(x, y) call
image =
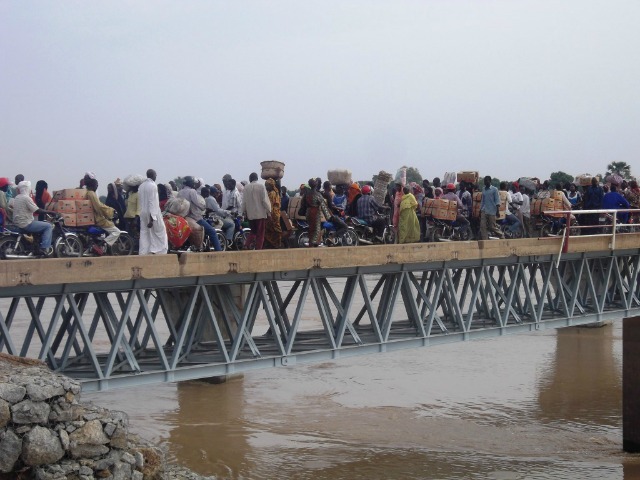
point(592, 200)
point(488, 210)
point(614, 201)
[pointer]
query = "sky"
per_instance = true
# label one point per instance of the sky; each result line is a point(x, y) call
point(205, 88)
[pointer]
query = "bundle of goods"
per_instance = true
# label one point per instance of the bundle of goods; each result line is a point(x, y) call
point(528, 183)
point(380, 186)
point(584, 180)
point(197, 233)
point(132, 181)
point(440, 208)
point(294, 207)
point(272, 169)
point(339, 177)
point(74, 207)
point(178, 229)
point(477, 202)
point(469, 177)
point(177, 206)
point(541, 205)
point(613, 179)
point(401, 176)
point(449, 177)
point(502, 212)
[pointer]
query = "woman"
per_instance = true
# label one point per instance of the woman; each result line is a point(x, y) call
point(313, 200)
point(397, 199)
point(353, 194)
point(115, 201)
point(43, 197)
point(408, 225)
point(273, 230)
point(575, 197)
point(132, 214)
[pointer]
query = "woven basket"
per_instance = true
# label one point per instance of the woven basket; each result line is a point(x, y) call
point(272, 169)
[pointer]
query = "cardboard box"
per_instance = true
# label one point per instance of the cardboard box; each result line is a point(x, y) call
point(294, 206)
point(549, 204)
point(288, 225)
point(477, 202)
point(74, 194)
point(85, 219)
point(83, 206)
point(445, 214)
point(69, 219)
point(536, 207)
point(428, 206)
point(503, 204)
point(65, 206)
point(471, 177)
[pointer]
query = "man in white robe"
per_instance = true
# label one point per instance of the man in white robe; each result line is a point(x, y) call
point(153, 235)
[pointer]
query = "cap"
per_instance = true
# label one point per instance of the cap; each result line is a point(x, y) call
point(366, 189)
point(4, 181)
point(451, 186)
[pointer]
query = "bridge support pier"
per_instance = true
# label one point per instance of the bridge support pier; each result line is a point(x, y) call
point(631, 384)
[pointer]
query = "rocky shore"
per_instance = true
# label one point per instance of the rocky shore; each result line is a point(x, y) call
point(46, 433)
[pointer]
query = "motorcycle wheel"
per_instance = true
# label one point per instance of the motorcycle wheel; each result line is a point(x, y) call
point(123, 245)
point(68, 246)
point(9, 243)
point(222, 240)
point(436, 234)
point(465, 234)
point(547, 230)
point(303, 240)
point(388, 236)
point(349, 239)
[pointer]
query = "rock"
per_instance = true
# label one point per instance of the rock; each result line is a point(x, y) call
point(119, 438)
point(10, 450)
point(137, 475)
point(139, 460)
point(109, 428)
point(87, 451)
point(69, 397)
point(62, 413)
point(122, 471)
point(5, 413)
point(22, 430)
point(89, 434)
point(128, 458)
point(41, 446)
point(38, 393)
point(12, 393)
point(29, 411)
point(84, 470)
point(64, 439)
point(102, 473)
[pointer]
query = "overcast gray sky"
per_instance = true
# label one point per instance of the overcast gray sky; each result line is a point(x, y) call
point(509, 88)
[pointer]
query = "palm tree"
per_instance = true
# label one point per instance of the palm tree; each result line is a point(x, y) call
point(619, 168)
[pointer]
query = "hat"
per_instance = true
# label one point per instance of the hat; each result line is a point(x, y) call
point(4, 181)
point(451, 186)
point(118, 182)
point(24, 186)
point(366, 189)
point(90, 175)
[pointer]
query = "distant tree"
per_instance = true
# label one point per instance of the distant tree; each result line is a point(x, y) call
point(494, 181)
point(179, 181)
point(413, 175)
point(561, 177)
point(619, 168)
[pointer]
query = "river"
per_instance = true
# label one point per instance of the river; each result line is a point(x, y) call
point(538, 406)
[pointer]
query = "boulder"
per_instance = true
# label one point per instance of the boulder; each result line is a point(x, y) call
point(89, 434)
point(41, 446)
point(10, 450)
point(5, 413)
point(12, 393)
point(29, 411)
point(38, 393)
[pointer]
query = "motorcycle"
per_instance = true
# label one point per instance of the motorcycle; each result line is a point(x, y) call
point(507, 232)
point(448, 231)
point(212, 220)
point(555, 227)
point(366, 234)
point(17, 244)
point(94, 244)
point(330, 238)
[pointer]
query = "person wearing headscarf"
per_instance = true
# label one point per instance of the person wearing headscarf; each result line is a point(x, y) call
point(353, 194)
point(408, 225)
point(103, 215)
point(273, 229)
point(397, 199)
point(314, 202)
point(117, 202)
point(132, 213)
point(4, 187)
point(42, 197)
point(23, 209)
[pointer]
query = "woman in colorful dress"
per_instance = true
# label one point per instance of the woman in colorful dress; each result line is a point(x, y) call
point(273, 230)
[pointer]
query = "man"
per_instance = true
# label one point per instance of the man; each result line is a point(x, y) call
point(255, 207)
point(103, 215)
point(228, 225)
point(614, 201)
point(513, 221)
point(368, 210)
point(451, 196)
point(197, 207)
point(592, 199)
point(488, 210)
point(23, 209)
point(231, 198)
point(525, 209)
point(153, 234)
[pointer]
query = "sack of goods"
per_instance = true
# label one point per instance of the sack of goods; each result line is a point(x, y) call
point(177, 206)
point(528, 183)
point(449, 177)
point(133, 181)
point(339, 177)
point(468, 176)
point(401, 176)
point(294, 207)
point(272, 169)
point(178, 229)
point(72, 204)
point(613, 179)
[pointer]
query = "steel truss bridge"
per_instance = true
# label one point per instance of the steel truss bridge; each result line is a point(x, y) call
point(115, 322)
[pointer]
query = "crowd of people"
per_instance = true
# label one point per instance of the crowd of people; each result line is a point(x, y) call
point(138, 209)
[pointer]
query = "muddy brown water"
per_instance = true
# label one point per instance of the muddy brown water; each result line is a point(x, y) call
point(536, 406)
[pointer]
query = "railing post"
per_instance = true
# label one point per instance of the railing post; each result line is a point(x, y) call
point(567, 225)
point(631, 384)
point(613, 231)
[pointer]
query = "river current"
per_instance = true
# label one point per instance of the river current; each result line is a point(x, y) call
point(546, 405)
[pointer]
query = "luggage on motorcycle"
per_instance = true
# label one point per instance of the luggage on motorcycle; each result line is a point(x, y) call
point(178, 229)
point(477, 203)
point(294, 207)
point(549, 204)
point(440, 208)
point(502, 210)
point(288, 225)
point(428, 206)
point(177, 206)
point(536, 207)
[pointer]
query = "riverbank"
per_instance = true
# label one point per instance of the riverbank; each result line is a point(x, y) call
point(48, 433)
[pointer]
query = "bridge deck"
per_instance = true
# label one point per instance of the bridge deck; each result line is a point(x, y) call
point(133, 320)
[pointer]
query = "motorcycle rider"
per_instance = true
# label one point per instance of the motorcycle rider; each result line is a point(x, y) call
point(450, 195)
point(197, 207)
point(368, 210)
point(228, 225)
point(103, 216)
point(23, 208)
